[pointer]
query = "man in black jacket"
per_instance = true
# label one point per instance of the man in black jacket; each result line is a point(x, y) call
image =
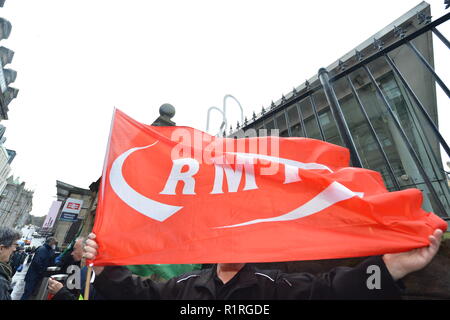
point(235, 281)
point(43, 258)
point(17, 259)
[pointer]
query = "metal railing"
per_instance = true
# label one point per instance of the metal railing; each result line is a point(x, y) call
point(360, 63)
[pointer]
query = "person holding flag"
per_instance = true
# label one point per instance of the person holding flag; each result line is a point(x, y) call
point(176, 195)
point(235, 281)
point(61, 291)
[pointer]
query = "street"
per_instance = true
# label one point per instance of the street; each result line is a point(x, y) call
point(18, 280)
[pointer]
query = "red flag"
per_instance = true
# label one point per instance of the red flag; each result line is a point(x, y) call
point(173, 195)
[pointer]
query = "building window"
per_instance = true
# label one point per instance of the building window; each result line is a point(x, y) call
point(294, 121)
point(281, 124)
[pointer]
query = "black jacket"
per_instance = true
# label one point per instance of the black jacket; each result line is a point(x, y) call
point(17, 258)
point(43, 258)
point(251, 283)
point(5, 281)
point(66, 294)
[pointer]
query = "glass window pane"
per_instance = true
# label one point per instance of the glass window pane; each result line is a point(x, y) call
point(422, 144)
point(269, 124)
point(386, 134)
point(281, 124)
point(400, 106)
point(402, 163)
point(365, 143)
point(310, 120)
point(328, 123)
point(329, 127)
point(294, 121)
point(259, 126)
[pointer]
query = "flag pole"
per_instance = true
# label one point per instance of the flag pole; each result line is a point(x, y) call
point(88, 282)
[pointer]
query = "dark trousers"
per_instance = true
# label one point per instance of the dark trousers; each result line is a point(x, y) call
point(31, 287)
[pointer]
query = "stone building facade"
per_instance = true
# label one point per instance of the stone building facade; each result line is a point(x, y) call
point(15, 203)
point(5, 169)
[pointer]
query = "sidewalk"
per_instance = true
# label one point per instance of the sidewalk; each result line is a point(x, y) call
point(18, 280)
point(18, 283)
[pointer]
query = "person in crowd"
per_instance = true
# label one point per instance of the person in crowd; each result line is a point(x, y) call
point(43, 258)
point(8, 243)
point(242, 281)
point(62, 292)
point(31, 253)
point(17, 258)
point(65, 259)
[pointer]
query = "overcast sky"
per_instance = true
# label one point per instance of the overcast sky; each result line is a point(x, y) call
point(76, 60)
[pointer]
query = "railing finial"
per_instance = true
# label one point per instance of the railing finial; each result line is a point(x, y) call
point(359, 56)
point(399, 32)
point(423, 18)
point(378, 44)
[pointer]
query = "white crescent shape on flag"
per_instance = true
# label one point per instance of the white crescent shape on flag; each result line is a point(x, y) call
point(332, 194)
point(148, 207)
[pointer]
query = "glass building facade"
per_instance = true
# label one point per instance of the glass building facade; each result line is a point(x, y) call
point(381, 106)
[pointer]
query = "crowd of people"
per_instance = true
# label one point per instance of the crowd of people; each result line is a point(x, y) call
point(221, 281)
point(14, 257)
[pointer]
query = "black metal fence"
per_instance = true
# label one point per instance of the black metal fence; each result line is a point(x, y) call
point(410, 127)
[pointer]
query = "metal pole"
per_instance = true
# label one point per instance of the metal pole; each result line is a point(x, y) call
point(421, 108)
point(225, 107)
point(300, 114)
point(344, 131)
point(286, 117)
point(313, 105)
point(430, 68)
point(391, 47)
point(275, 123)
point(441, 37)
point(224, 120)
point(407, 142)
point(374, 135)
